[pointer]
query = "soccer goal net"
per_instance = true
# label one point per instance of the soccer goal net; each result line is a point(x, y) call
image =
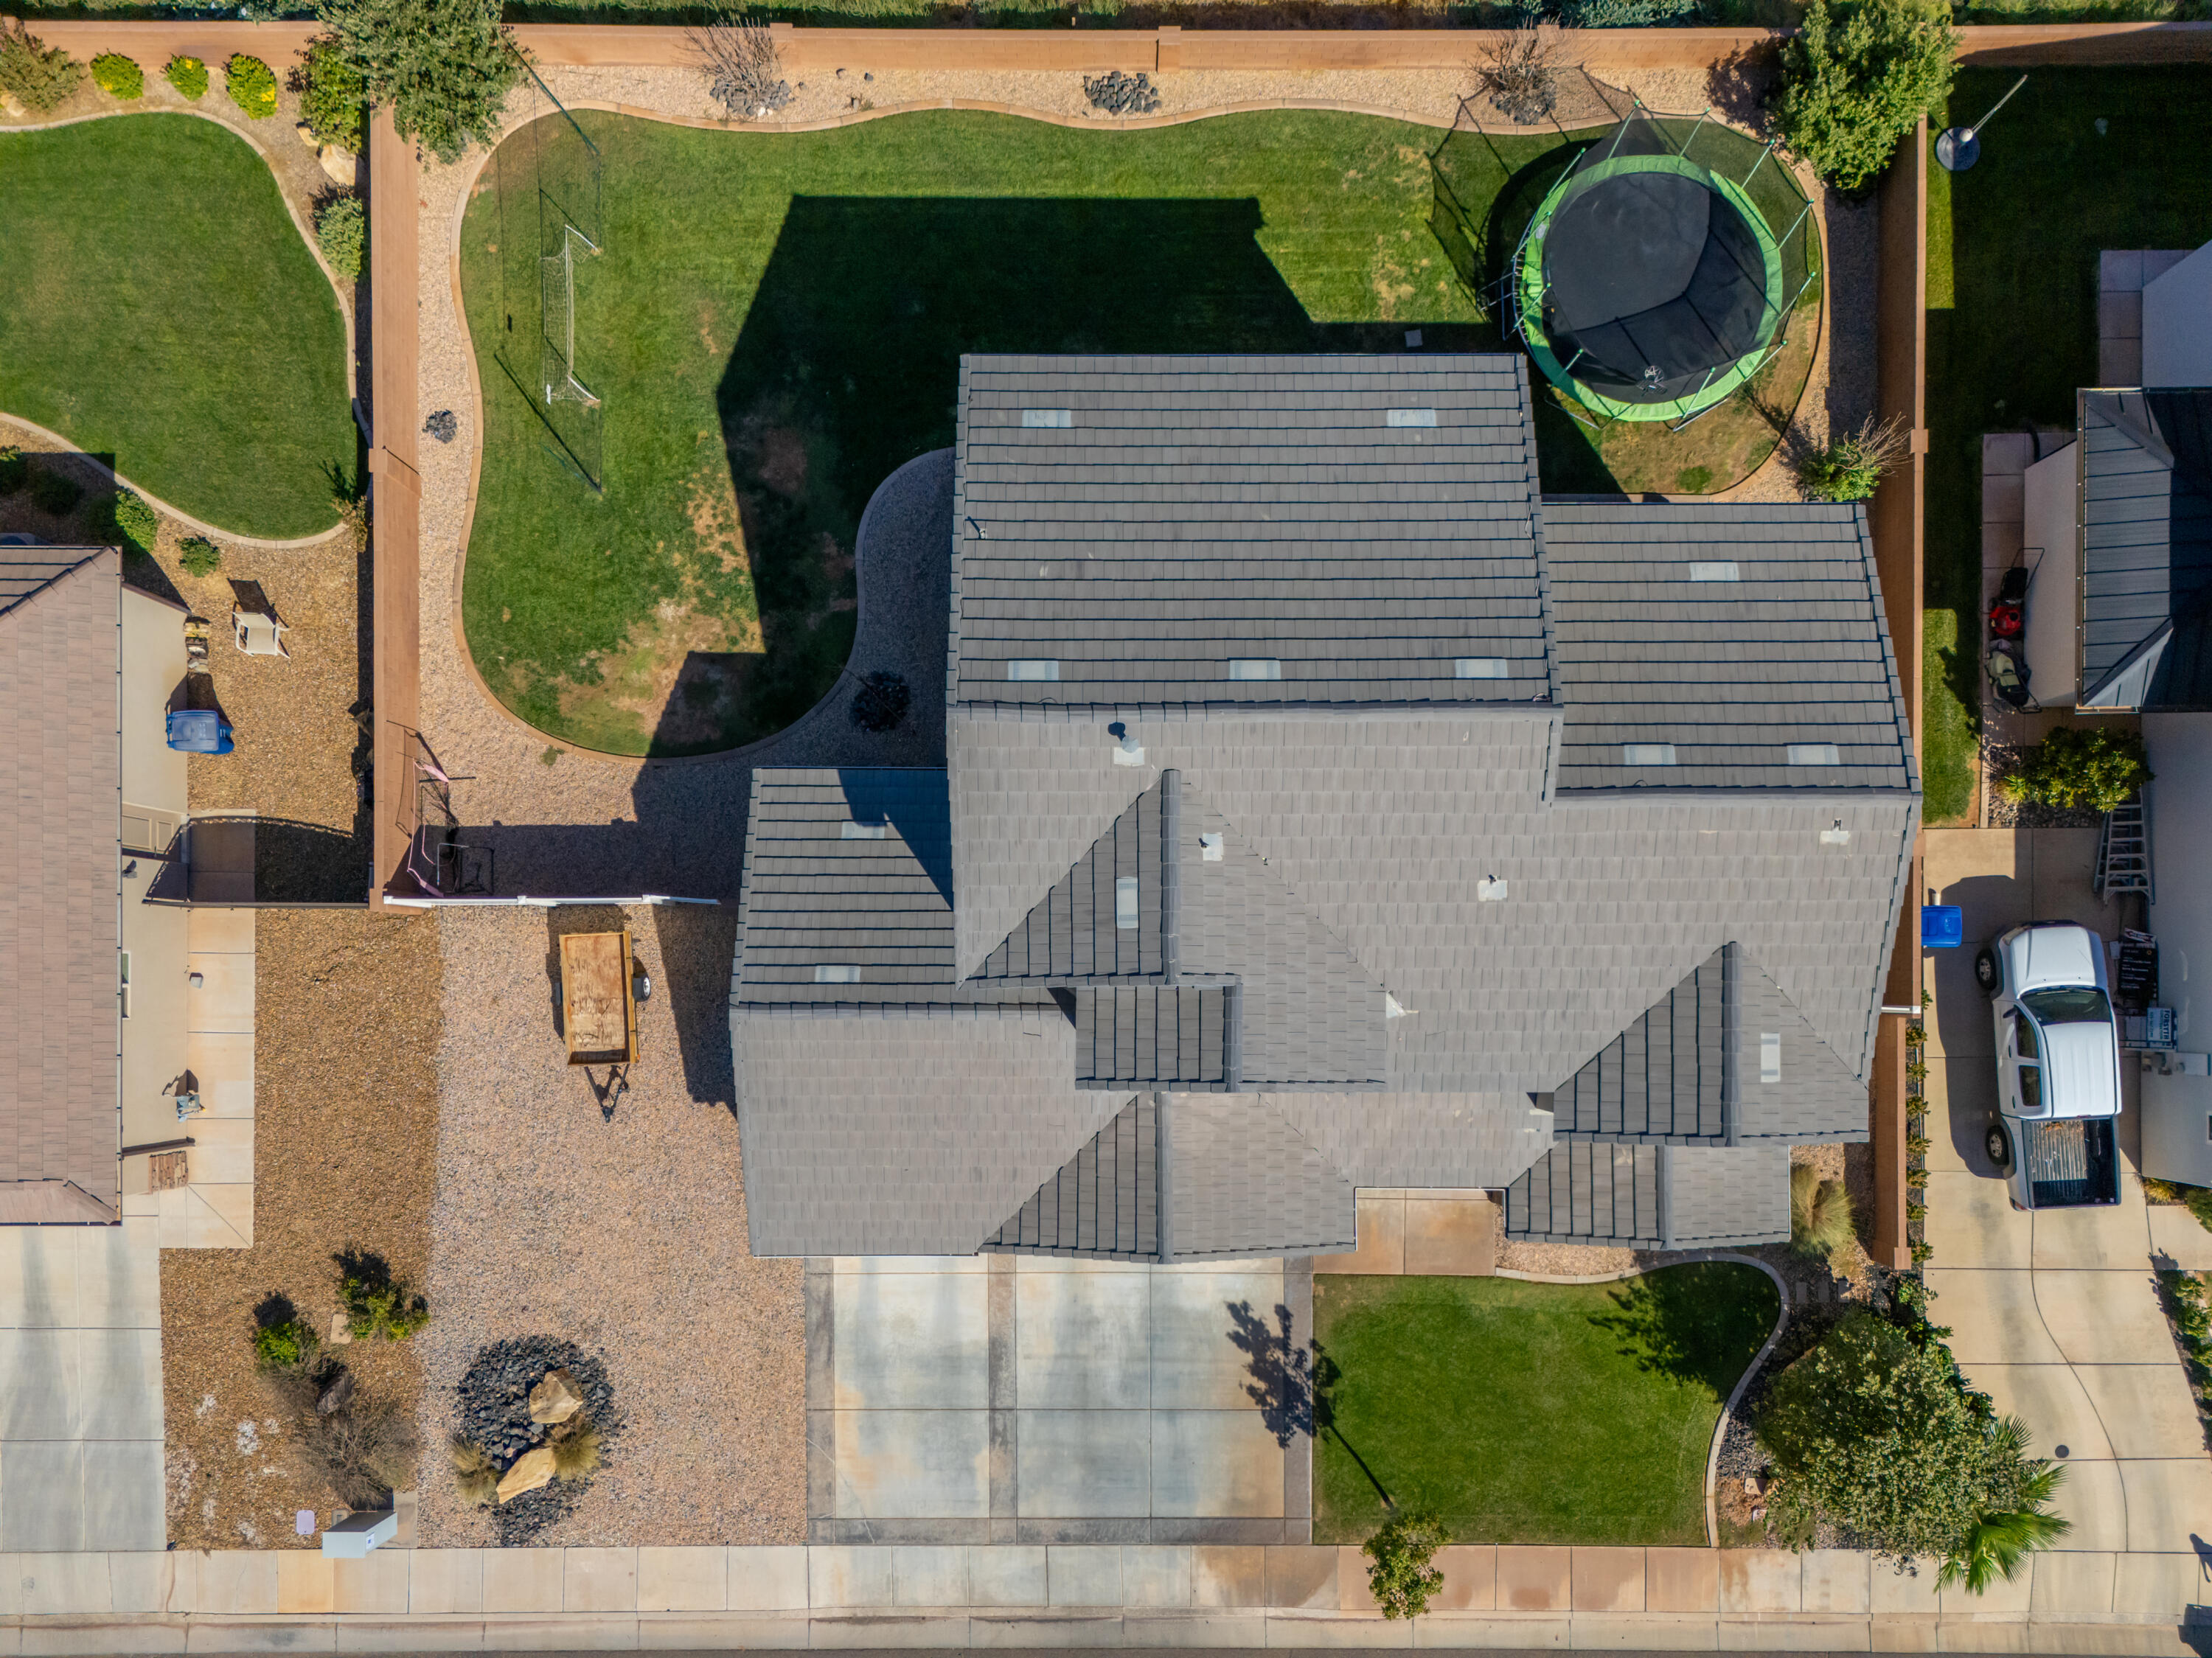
point(557, 282)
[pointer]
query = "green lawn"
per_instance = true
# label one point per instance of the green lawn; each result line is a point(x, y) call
point(2012, 322)
point(774, 324)
point(158, 306)
point(1529, 1413)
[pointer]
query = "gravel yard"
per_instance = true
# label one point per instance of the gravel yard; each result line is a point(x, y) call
point(346, 1012)
point(623, 1233)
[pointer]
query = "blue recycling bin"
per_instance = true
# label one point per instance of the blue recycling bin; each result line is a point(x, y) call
point(1941, 927)
point(200, 731)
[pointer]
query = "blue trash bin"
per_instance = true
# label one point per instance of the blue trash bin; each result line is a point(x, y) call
point(1941, 927)
point(200, 731)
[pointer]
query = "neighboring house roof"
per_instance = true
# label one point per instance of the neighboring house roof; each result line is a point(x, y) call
point(1728, 645)
point(1336, 929)
point(59, 883)
point(2147, 549)
point(1652, 1197)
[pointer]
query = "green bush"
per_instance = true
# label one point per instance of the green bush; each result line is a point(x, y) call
point(1849, 467)
point(1819, 1213)
point(53, 492)
point(200, 556)
point(14, 470)
point(331, 97)
point(2200, 1205)
point(341, 230)
point(1855, 78)
point(444, 66)
point(188, 74)
point(376, 1303)
point(1401, 1578)
point(251, 85)
point(135, 525)
point(2097, 767)
point(285, 1345)
point(1873, 1428)
point(39, 76)
point(118, 76)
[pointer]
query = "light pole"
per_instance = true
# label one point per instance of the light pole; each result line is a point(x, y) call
point(1957, 148)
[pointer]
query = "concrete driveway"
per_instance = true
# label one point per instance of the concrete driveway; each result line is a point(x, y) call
point(2055, 1313)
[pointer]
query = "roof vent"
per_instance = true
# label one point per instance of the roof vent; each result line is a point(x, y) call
point(1125, 901)
point(857, 831)
point(1410, 417)
point(1391, 1007)
point(840, 973)
point(1814, 754)
point(1647, 754)
point(1491, 890)
point(1837, 836)
point(1478, 667)
point(1127, 751)
point(1209, 848)
point(1770, 1056)
point(1046, 417)
point(1254, 667)
point(1718, 570)
point(1040, 668)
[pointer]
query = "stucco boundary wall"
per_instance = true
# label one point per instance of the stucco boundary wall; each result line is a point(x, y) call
point(791, 1598)
point(805, 49)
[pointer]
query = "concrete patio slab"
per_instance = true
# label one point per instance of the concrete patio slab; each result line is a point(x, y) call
point(2095, 1317)
point(913, 1464)
point(912, 1341)
point(221, 1062)
point(1215, 1462)
point(1083, 1343)
point(1382, 1220)
point(2146, 1409)
point(1084, 1465)
point(2057, 1406)
point(1971, 1219)
point(2180, 1237)
point(1194, 1365)
point(1451, 1236)
point(1993, 1316)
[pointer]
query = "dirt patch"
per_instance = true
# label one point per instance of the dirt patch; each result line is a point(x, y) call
point(345, 1112)
point(779, 461)
point(712, 506)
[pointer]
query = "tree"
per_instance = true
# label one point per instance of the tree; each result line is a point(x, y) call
point(1401, 1579)
point(444, 66)
point(1855, 77)
point(2093, 766)
point(1874, 1430)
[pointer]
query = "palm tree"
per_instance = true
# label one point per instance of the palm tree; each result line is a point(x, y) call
point(1999, 1541)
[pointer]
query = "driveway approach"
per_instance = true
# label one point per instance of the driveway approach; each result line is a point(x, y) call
point(2055, 1313)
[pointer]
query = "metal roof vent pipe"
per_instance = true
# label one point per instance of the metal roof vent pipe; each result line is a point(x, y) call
point(1127, 751)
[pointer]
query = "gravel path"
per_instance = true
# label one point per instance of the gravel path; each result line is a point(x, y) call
point(625, 1235)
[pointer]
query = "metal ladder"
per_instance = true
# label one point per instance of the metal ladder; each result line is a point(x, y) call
point(2123, 850)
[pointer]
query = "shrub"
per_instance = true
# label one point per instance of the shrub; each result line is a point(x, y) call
point(251, 85)
point(285, 1345)
point(1855, 77)
point(575, 1449)
point(188, 74)
point(2095, 765)
point(376, 1303)
point(14, 470)
point(444, 66)
point(118, 76)
point(1850, 467)
point(199, 556)
point(135, 525)
point(341, 230)
point(475, 1476)
point(1401, 1578)
point(39, 76)
point(53, 492)
point(2199, 1200)
point(1626, 13)
point(331, 97)
point(1819, 1213)
point(1520, 73)
point(364, 1450)
point(1874, 1430)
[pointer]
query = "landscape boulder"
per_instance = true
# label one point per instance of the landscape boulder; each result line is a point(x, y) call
point(335, 1393)
point(531, 1470)
point(337, 163)
point(555, 1399)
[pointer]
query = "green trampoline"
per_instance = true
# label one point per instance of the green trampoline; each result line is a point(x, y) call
point(1661, 271)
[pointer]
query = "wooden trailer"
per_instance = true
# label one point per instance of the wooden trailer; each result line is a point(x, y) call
point(598, 1009)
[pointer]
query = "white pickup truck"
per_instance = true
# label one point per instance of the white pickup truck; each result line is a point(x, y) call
point(2059, 1065)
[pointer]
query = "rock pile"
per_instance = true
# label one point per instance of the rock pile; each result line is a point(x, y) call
point(509, 1401)
point(1116, 94)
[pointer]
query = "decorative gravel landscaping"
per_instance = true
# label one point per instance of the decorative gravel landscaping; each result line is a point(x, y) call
point(1524, 1412)
point(158, 307)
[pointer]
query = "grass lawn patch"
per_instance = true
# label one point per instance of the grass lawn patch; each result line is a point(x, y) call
point(2012, 246)
point(1529, 1413)
point(159, 308)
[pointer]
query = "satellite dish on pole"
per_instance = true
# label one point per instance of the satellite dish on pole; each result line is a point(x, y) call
point(1957, 148)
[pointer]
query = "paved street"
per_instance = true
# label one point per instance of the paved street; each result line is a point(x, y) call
point(2055, 1313)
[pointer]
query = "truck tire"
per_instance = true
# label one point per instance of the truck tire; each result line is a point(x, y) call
point(1987, 973)
point(1998, 1144)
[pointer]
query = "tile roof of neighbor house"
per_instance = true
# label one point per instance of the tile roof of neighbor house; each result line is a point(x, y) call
point(59, 886)
point(1327, 930)
point(2147, 549)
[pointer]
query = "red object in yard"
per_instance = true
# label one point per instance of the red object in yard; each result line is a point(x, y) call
point(2006, 620)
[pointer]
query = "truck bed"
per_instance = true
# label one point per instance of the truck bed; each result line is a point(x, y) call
point(2071, 1161)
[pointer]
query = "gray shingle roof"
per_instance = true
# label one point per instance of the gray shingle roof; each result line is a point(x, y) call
point(1420, 1139)
point(1243, 1182)
point(1104, 1201)
point(1652, 1197)
point(1193, 511)
point(2146, 462)
point(1729, 636)
point(1148, 1036)
point(60, 843)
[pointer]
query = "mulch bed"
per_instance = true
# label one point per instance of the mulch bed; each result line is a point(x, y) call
point(345, 1105)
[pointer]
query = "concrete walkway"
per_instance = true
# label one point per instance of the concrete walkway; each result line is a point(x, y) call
point(2055, 1313)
